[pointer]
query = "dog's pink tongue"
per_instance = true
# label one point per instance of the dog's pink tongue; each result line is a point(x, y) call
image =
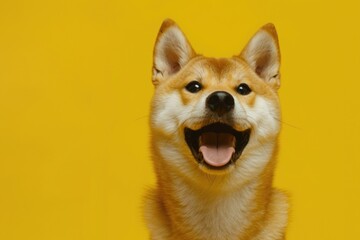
point(217, 148)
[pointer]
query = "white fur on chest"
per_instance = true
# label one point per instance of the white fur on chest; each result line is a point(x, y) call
point(218, 214)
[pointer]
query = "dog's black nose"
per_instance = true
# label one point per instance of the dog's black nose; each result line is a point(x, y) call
point(220, 102)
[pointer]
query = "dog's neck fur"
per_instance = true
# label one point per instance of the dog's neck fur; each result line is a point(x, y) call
point(208, 211)
point(214, 213)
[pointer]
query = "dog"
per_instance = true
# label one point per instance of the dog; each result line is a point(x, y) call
point(215, 124)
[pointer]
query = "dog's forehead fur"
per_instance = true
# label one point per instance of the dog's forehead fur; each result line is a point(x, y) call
point(212, 70)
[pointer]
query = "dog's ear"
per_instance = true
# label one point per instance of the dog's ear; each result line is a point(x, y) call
point(262, 53)
point(172, 51)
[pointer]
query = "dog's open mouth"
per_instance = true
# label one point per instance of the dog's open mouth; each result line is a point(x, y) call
point(217, 145)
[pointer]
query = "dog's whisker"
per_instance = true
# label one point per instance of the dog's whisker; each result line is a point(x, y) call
point(285, 123)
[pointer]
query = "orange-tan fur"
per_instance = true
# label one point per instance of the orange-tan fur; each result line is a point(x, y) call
point(191, 202)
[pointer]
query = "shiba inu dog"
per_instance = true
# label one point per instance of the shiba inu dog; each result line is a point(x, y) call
point(214, 130)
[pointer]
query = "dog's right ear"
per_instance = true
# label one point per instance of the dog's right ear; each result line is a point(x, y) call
point(172, 51)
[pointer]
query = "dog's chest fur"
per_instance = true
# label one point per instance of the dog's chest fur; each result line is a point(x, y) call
point(184, 213)
point(220, 213)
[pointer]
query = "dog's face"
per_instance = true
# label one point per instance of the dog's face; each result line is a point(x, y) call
point(215, 116)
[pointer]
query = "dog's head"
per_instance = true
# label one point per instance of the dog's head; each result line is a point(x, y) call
point(215, 116)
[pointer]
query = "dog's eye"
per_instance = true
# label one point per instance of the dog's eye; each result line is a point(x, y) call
point(243, 89)
point(194, 87)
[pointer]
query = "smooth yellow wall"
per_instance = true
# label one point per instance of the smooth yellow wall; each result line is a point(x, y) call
point(75, 88)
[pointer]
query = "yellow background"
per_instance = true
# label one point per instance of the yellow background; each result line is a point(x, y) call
point(75, 89)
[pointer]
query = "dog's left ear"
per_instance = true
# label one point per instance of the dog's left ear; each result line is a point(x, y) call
point(262, 53)
point(172, 51)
